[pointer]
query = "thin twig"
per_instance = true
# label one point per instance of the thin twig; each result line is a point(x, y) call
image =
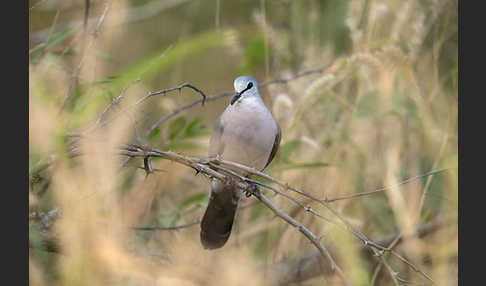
point(227, 94)
point(306, 267)
point(298, 75)
point(182, 108)
point(179, 87)
point(307, 233)
point(101, 20)
point(161, 228)
point(307, 208)
point(196, 102)
point(118, 99)
point(327, 200)
point(202, 166)
point(213, 167)
point(421, 204)
point(425, 192)
point(85, 46)
point(113, 102)
point(367, 242)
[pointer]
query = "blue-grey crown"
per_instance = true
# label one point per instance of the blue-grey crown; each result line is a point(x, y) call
point(242, 82)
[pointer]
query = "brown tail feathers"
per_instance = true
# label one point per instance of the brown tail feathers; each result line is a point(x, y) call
point(218, 219)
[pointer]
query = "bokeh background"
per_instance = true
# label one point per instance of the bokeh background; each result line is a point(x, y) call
point(384, 110)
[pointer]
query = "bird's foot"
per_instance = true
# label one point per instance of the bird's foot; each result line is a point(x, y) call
point(252, 189)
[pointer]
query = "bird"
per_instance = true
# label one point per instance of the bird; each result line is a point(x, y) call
point(245, 133)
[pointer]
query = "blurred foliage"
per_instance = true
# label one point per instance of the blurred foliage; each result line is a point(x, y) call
point(180, 133)
point(254, 55)
point(385, 111)
point(53, 40)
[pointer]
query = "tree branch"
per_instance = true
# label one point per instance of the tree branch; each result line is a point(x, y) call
point(377, 249)
point(204, 165)
point(309, 266)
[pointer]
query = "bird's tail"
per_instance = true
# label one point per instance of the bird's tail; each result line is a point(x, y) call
point(218, 219)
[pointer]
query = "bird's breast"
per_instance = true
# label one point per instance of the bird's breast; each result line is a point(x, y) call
point(249, 133)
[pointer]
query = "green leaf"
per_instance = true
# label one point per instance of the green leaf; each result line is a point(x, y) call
point(107, 79)
point(66, 52)
point(195, 128)
point(52, 41)
point(302, 166)
point(161, 60)
point(176, 127)
point(59, 36)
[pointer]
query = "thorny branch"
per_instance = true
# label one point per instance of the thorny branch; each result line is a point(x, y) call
point(203, 166)
point(179, 87)
point(196, 102)
point(284, 272)
point(377, 249)
point(220, 169)
point(101, 121)
point(117, 100)
point(212, 168)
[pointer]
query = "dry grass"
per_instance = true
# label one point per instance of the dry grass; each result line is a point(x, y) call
point(383, 112)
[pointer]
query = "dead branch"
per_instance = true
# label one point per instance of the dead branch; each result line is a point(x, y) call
point(214, 167)
point(376, 248)
point(203, 166)
point(309, 266)
point(208, 165)
point(101, 122)
point(179, 87)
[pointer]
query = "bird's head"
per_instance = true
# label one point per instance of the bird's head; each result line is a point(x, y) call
point(245, 86)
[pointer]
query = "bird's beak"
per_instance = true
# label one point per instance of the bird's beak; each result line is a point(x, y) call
point(235, 98)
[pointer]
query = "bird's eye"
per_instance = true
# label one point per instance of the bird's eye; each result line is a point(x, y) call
point(250, 85)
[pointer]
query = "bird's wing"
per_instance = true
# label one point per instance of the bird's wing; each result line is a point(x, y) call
point(216, 145)
point(276, 144)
